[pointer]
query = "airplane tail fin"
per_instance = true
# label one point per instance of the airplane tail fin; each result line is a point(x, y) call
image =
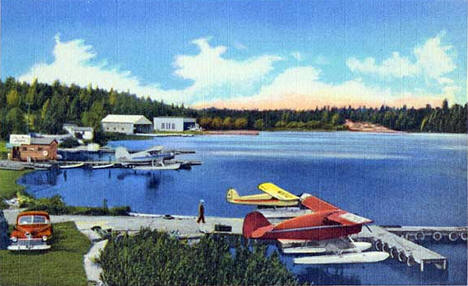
point(255, 225)
point(121, 153)
point(232, 195)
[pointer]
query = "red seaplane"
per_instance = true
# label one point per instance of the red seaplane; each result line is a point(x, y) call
point(327, 226)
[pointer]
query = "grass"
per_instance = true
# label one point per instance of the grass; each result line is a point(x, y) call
point(61, 265)
point(3, 150)
point(8, 178)
point(8, 186)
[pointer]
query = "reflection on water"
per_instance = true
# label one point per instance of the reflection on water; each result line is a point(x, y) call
point(153, 181)
point(328, 276)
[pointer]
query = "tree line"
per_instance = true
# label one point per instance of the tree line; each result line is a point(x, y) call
point(39, 107)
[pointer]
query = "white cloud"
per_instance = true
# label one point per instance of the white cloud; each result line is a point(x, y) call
point(73, 63)
point(251, 83)
point(209, 68)
point(396, 66)
point(432, 60)
point(301, 88)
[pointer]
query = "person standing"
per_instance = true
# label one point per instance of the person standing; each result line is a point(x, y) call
point(201, 212)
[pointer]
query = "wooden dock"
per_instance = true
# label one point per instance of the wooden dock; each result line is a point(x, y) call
point(436, 233)
point(401, 248)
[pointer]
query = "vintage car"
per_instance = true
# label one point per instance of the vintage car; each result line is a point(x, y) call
point(32, 231)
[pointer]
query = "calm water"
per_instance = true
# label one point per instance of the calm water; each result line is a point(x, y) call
point(403, 179)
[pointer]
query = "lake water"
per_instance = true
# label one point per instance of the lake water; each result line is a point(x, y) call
point(394, 179)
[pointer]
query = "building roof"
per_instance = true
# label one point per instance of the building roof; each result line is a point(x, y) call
point(135, 119)
point(83, 129)
point(186, 119)
point(42, 140)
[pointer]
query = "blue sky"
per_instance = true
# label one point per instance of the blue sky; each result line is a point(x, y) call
point(244, 54)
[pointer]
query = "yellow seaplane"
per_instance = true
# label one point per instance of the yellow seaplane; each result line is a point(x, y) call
point(272, 196)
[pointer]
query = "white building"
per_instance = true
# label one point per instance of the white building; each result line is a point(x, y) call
point(78, 132)
point(175, 124)
point(127, 124)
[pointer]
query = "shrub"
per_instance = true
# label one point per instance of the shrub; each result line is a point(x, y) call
point(55, 206)
point(69, 142)
point(156, 258)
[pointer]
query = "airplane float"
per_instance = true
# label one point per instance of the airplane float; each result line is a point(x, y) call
point(326, 229)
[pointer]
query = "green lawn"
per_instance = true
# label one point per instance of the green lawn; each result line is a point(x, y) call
point(3, 150)
point(61, 265)
point(8, 186)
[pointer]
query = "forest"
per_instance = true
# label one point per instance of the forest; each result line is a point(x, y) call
point(44, 108)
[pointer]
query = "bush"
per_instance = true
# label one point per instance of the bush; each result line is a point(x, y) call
point(155, 258)
point(3, 205)
point(55, 206)
point(69, 142)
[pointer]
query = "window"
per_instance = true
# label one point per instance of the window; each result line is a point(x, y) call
point(40, 219)
point(26, 219)
point(39, 148)
point(33, 219)
point(173, 125)
point(162, 125)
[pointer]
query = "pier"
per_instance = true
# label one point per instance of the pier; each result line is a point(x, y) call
point(436, 233)
point(401, 248)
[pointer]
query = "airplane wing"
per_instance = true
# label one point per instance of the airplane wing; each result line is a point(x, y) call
point(317, 205)
point(339, 216)
point(277, 192)
point(346, 218)
point(154, 149)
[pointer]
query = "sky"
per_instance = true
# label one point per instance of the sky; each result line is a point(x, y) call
point(244, 54)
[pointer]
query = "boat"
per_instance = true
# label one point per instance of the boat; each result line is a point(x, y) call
point(105, 166)
point(358, 257)
point(71, 166)
point(174, 166)
point(358, 247)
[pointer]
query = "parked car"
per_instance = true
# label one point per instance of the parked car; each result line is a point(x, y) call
point(33, 231)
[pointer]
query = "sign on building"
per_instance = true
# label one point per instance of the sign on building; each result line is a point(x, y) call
point(20, 139)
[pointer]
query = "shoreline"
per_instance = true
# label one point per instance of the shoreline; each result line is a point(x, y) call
point(368, 127)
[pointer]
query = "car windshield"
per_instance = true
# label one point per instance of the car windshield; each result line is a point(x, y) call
point(32, 219)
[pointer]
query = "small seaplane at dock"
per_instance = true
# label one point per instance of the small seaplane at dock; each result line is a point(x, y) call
point(145, 157)
point(272, 196)
point(323, 233)
point(153, 159)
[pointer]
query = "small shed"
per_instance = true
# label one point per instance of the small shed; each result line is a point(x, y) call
point(33, 148)
point(127, 124)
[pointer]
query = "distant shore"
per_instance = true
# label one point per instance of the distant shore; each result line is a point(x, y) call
point(368, 127)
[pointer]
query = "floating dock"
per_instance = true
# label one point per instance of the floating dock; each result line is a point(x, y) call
point(435, 233)
point(401, 248)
